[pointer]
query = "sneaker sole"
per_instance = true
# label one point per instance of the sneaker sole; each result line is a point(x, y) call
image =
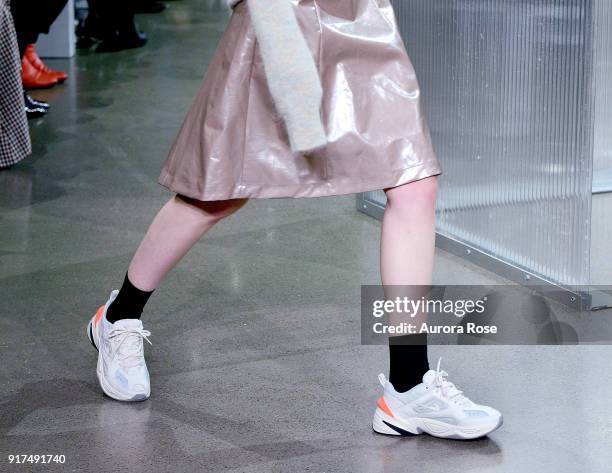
point(386, 425)
point(106, 387)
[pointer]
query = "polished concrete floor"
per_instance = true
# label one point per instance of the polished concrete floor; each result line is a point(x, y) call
point(256, 361)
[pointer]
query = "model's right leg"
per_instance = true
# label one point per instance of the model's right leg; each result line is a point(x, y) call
point(178, 226)
point(174, 231)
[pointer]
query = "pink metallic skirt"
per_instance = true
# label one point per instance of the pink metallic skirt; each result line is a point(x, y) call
point(233, 143)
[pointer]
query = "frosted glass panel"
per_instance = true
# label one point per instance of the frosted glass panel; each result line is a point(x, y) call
point(508, 91)
point(601, 228)
point(602, 169)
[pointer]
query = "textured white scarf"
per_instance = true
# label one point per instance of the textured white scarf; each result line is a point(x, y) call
point(291, 72)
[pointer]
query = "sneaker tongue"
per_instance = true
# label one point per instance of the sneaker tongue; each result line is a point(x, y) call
point(128, 324)
point(428, 378)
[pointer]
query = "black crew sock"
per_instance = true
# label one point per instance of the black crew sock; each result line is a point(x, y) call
point(129, 303)
point(407, 361)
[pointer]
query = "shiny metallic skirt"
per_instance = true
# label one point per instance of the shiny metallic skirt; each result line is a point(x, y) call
point(233, 143)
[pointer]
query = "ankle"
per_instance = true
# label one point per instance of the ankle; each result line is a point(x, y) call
point(408, 361)
point(129, 303)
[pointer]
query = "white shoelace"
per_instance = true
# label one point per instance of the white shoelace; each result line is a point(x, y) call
point(447, 389)
point(129, 345)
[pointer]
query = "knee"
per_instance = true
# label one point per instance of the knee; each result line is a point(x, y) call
point(214, 210)
point(414, 197)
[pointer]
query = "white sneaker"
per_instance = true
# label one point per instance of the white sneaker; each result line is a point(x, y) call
point(435, 407)
point(122, 371)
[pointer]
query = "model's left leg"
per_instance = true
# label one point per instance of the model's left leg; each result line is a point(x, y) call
point(417, 399)
point(408, 233)
point(406, 259)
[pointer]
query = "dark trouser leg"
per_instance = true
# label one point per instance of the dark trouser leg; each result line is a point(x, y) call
point(34, 17)
point(111, 16)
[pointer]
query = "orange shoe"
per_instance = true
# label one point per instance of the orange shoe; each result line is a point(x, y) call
point(33, 78)
point(36, 61)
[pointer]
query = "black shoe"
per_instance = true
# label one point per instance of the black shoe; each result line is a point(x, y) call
point(149, 6)
point(34, 108)
point(38, 103)
point(119, 40)
point(85, 42)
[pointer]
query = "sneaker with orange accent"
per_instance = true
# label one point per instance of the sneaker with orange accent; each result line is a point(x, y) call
point(122, 371)
point(435, 407)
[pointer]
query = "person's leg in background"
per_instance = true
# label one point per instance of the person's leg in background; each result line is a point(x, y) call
point(116, 330)
point(112, 22)
point(406, 259)
point(31, 19)
point(44, 16)
point(27, 25)
point(50, 10)
point(25, 16)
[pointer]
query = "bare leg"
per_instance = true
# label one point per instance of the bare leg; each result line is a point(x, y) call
point(115, 330)
point(176, 228)
point(408, 234)
point(406, 264)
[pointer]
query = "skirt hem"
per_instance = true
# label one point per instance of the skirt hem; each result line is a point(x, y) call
point(345, 186)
